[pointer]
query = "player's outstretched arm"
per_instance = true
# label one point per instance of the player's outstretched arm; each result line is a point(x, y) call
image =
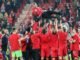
point(56, 24)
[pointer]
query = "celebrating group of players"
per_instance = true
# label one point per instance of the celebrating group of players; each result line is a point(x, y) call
point(51, 40)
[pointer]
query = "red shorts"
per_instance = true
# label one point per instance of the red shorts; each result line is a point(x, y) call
point(79, 47)
point(45, 52)
point(62, 51)
point(54, 52)
point(75, 53)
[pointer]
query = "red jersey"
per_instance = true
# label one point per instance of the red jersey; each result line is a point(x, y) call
point(37, 11)
point(79, 42)
point(75, 46)
point(35, 26)
point(23, 45)
point(13, 40)
point(44, 39)
point(40, 29)
point(54, 40)
point(62, 36)
point(35, 41)
point(10, 20)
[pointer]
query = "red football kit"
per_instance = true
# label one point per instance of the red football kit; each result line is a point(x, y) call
point(35, 41)
point(75, 45)
point(44, 45)
point(13, 40)
point(37, 11)
point(79, 43)
point(62, 37)
point(40, 29)
point(35, 26)
point(23, 45)
point(54, 44)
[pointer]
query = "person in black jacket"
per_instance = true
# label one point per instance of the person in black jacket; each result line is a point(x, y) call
point(4, 43)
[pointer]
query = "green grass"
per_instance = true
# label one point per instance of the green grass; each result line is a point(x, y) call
point(66, 57)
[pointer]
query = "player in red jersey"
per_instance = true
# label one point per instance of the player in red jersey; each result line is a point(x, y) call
point(23, 41)
point(36, 12)
point(35, 39)
point(53, 36)
point(79, 40)
point(75, 44)
point(62, 43)
point(54, 44)
point(14, 45)
point(44, 45)
point(35, 26)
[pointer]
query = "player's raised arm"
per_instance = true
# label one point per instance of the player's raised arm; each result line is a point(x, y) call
point(23, 38)
point(56, 24)
point(61, 24)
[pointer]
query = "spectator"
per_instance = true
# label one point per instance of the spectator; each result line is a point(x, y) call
point(4, 43)
point(1, 16)
point(0, 2)
point(13, 5)
point(3, 8)
point(13, 17)
point(10, 20)
point(8, 7)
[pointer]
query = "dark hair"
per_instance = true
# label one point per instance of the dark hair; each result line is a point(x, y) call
point(64, 29)
point(59, 27)
point(43, 31)
point(13, 29)
point(23, 32)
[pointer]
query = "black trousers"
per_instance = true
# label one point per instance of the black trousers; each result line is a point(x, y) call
point(26, 55)
point(36, 18)
point(36, 54)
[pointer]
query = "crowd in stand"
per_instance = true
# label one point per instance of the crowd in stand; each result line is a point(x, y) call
point(9, 11)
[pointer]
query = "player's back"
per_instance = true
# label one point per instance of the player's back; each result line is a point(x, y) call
point(54, 39)
point(62, 36)
point(44, 38)
point(13, 40)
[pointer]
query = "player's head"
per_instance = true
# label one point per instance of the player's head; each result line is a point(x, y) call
point(25, 32)
point(15, 31)
point(44, 31)
point(34, 4)
point(59, 28)
point(64, 29)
